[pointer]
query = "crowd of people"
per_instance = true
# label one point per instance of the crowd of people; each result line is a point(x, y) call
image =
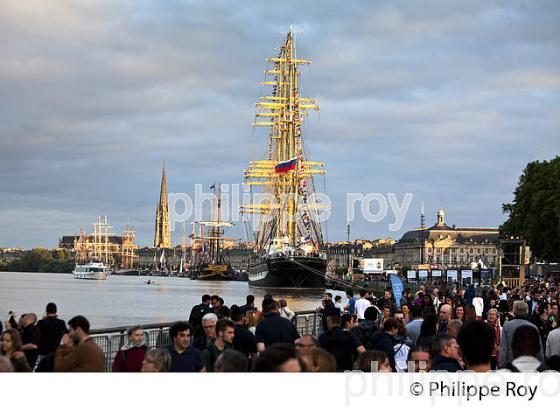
point(479, 328)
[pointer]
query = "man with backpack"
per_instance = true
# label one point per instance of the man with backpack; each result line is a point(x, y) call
point(366, 327)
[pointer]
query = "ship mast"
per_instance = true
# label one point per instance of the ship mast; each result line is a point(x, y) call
point(290, 219)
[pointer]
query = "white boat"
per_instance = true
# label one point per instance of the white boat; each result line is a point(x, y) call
point(91, 270)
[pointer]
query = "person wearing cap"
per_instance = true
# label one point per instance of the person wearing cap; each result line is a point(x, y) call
point(274, 328)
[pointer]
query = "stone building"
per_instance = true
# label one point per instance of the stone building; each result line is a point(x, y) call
point(447, 246)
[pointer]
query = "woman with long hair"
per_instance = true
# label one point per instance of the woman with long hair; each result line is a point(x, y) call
point(428, 331)
point(493, 319)
point(11, 348)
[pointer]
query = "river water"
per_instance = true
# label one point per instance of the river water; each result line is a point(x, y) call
point(126, 300)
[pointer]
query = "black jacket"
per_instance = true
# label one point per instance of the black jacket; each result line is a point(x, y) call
point(383, 342)
point(442, 363)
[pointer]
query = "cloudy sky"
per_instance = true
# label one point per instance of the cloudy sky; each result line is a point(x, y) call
point(445, 100)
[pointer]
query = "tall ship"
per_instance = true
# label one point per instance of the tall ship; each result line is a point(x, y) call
point(160, 269)
point(289, 241)
point(93, 265)
point(207, 257)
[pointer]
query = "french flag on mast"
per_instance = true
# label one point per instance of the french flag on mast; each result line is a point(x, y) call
point(285, 166)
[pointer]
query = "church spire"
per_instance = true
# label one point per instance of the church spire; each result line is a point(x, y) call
point(162, 237)
point(163, 189)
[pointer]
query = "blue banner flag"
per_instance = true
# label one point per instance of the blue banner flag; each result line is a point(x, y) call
point(398, 288)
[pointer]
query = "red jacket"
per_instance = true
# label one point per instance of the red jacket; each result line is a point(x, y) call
point(133, 359)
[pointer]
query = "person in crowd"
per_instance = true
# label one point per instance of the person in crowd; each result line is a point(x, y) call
point(470, 313)
point(428, 330)
point(361, 305)
point(217, 302)
point(372, 361)
point(30, 338)
point(444, 317)
point(365, 329)
point(416, 319)
point(11, 323)
point(553, 315)
point(477, 341)
point(243, 340)
point(506, 311)
point(197, 313)
point(520, 311)
point(225, 333)
point(339, 343)
point(350, 306)
point(78, 352)
point(384, 341)
point(51, 330)
point(156, 361)
point(460, 313)
point(10, 348)
point(209, 321)
point(388, 311)
point(253, 319)
point(348, 322)
point(386, 301)
point(478, 303)
point(493, 319)
point(280, 357)
point(326, 310)
point(540, 319)
point(231, 360)
point(304, 345)
point(131, 355)
point(249, 304)
point(274, 328)
point(406, 313)
point(184, 357)
point(285, 311)
point(319, 360)
point(454, 326)
point(223, 312)
point(553, 343)
point(427, 302)
point(526, 350)
point(419, 360)
point(445, 354)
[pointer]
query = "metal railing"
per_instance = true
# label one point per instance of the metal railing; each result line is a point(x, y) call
point(156, 335)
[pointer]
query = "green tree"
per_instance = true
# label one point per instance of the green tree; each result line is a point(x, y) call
point(534, 213)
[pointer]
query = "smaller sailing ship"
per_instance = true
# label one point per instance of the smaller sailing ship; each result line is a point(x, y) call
point(160, 269)
point(207, 258)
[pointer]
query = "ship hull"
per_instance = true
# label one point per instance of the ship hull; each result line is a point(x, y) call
point(298, 272)
point(214, 273)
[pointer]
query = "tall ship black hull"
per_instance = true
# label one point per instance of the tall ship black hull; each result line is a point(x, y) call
point(295, 272)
